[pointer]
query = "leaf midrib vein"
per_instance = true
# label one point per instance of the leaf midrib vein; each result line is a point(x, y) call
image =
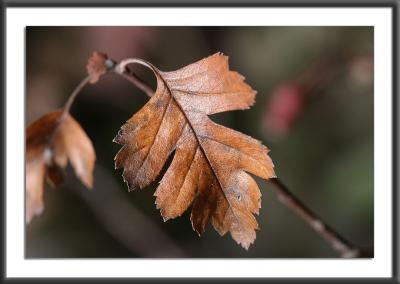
point(199, 143)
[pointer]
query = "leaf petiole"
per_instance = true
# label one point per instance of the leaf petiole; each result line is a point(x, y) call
point(122, 70)
point(73, 95)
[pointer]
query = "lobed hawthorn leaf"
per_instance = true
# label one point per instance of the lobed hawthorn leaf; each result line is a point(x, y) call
point(211, 163)
point(51, 141)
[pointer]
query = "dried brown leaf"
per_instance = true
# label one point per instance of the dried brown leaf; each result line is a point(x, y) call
point(96, 66)
point(210, 162)
point(51, 141)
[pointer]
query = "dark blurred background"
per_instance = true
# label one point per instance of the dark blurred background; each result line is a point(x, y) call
point(314, 110)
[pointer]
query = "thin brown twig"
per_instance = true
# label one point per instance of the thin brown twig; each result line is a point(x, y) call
point(127, 74)
point(337, 242)
point(73, 95)
point(135, 80)
point(285, 196)
point(67, 106)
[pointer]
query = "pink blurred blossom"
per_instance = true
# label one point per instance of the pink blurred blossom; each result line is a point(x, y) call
point(286, 104)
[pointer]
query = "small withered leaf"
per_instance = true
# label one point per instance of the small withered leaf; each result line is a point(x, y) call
point(96, 66)
point(51, 141)
point(210, 164)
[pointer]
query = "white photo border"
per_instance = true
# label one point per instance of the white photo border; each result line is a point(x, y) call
point(16, 21)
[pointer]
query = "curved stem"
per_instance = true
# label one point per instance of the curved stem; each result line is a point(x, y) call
point(135, 80)
point(337, 242)
point(285, 196)
point(122, 70)
point(67, 107)
point(73, 95)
